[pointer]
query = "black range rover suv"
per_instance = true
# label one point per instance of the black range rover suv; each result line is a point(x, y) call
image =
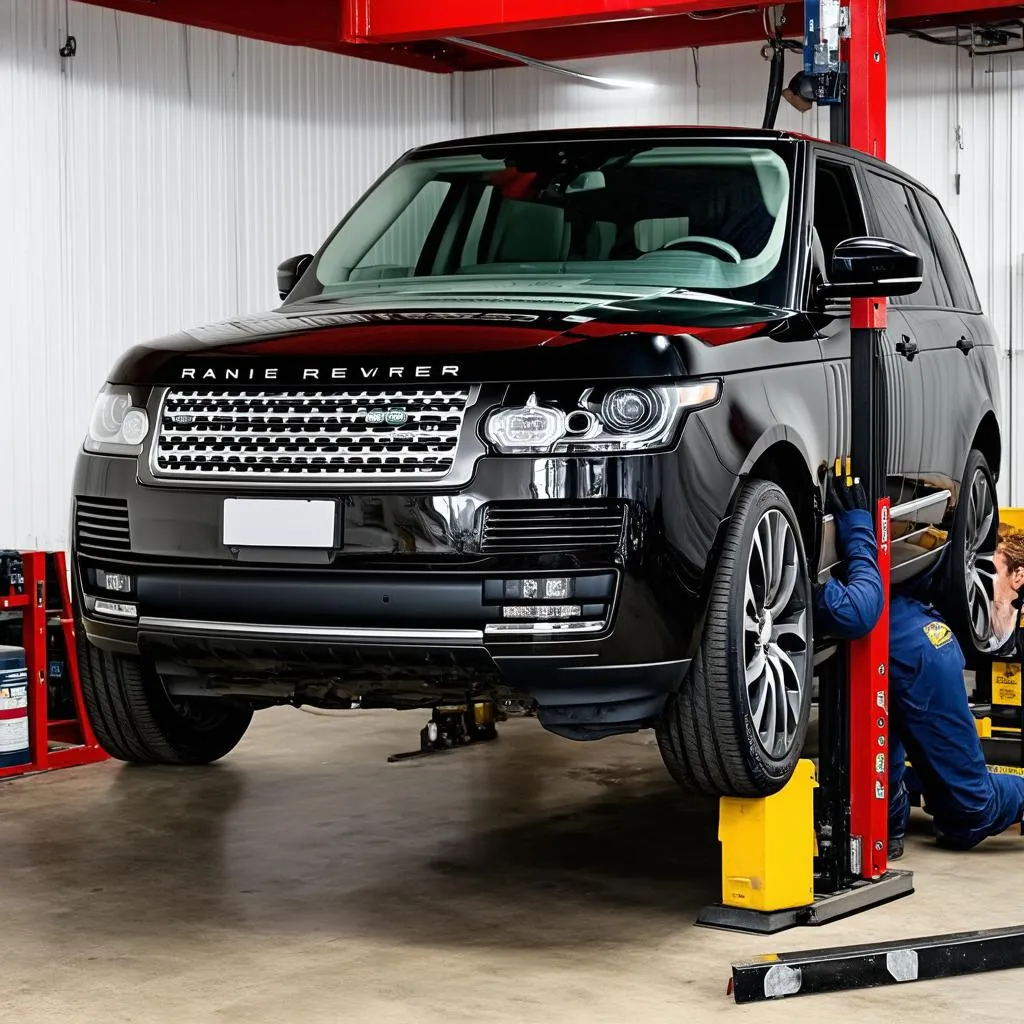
point(547, 416)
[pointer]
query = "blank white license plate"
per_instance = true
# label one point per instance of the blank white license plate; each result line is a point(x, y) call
point(270, 523)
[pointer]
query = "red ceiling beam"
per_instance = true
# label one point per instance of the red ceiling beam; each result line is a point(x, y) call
point(536, 22)
point(322, 24)
point(950, 11)
point(396, 21)
point(312, 23)
point(300, 23)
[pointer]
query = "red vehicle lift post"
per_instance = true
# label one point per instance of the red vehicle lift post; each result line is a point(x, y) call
point(853, 802)
point(851, 872)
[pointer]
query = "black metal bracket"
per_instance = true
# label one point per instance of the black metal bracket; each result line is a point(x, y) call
point(450, 728)
point(841, 968)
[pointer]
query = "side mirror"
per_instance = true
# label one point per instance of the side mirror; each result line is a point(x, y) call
point(864, 268)
point(289, 272)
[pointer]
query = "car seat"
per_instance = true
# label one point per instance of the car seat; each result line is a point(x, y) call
point(529, 233)
point(654, 233)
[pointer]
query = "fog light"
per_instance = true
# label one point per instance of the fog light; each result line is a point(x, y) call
point(553, 588)
point(557, 588)
point(541, 612)
point(115, 581)
point(119, 609)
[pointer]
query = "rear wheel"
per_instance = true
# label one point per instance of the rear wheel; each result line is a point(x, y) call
point(135, 720)
point(970, 565)
point(738, 724)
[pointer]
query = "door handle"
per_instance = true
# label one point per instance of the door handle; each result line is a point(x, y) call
point(907, 348)
point(965, 344)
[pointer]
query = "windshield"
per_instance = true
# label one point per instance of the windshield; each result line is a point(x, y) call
point(709, 217)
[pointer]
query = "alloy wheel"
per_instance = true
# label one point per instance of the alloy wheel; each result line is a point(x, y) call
point(775, 633)
point(979, 564)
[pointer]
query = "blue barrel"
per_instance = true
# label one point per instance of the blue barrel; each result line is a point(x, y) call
point(14, 745)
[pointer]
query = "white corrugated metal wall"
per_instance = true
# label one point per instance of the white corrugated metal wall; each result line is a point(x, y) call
point(988, 212)
point(153, 181)
point(156, 179)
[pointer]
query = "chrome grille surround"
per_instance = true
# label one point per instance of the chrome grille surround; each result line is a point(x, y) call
point(274, 435)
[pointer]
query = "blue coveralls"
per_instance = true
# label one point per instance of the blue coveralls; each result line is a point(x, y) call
point(928, 711)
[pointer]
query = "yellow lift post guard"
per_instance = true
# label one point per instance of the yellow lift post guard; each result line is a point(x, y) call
point(768, 846)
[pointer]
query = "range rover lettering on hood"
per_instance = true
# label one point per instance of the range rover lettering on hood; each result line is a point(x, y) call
point(240, 374)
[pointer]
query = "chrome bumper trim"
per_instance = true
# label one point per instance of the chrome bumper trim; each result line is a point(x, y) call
point(350, 634)
point(544, 628)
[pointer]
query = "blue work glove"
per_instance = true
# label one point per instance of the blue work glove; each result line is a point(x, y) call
point(846, 496)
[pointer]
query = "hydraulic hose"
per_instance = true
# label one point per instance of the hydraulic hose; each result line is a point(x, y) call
point(776, 79)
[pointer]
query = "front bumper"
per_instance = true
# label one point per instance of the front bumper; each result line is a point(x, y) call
point(406, 612)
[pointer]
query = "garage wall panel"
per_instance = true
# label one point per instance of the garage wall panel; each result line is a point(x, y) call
point(32, 258)
point(314, 131)
point(733, 80)
point(154, 181)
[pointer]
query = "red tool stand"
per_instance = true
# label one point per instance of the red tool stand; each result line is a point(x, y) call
point(61, 742)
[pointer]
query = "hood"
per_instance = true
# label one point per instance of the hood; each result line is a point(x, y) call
point(517, 330)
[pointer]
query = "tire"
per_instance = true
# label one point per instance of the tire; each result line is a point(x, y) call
point(135, 720)
point(969, 566)
point(711, 736)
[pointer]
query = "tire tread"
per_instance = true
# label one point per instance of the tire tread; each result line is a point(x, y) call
point(702, 733)
point(120, 701)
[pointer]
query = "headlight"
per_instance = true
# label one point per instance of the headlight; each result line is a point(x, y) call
point(617, 419)
point(118, 426)
point(531, 427)
point(629, 409)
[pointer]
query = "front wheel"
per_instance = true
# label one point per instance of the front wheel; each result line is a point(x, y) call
point(135, 720)
point(738, 724)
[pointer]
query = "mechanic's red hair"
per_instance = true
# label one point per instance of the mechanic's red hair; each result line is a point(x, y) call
point(1011, 544)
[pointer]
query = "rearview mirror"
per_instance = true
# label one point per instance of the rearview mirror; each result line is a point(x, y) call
point(289, 272)
point(588, 181)
point(864, 268)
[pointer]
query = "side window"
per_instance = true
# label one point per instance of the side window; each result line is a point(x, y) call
point(898, 217)
point(837, 211)
point(837, 214)
point(397, 251)
point(951, 257)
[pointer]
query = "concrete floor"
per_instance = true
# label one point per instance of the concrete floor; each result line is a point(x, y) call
point(304, 879)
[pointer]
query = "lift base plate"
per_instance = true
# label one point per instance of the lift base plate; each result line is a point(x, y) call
point(893, 885)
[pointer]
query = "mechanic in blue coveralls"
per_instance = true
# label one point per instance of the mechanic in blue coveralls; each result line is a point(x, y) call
point(928, 715)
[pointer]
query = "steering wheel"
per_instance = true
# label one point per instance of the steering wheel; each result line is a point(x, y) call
point(707, 242)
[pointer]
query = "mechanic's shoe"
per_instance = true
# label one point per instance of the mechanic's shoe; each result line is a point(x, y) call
point(895, 849)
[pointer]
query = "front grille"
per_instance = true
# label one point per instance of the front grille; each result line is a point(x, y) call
point(550, 526)
point(101, 526)
point(398, 434)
